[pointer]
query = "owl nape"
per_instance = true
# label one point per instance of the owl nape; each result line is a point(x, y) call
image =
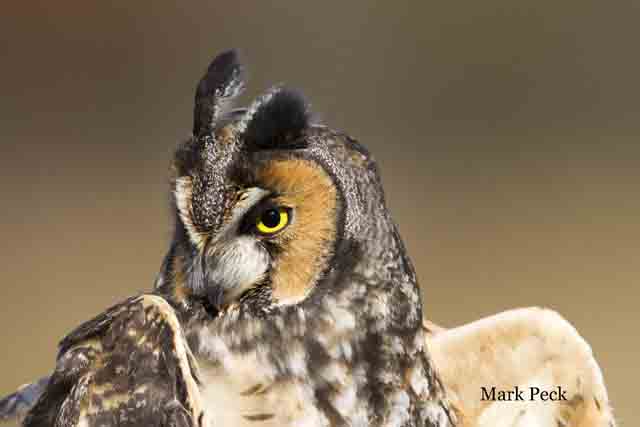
point(286, 296)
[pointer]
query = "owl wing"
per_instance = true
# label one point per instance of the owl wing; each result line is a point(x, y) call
point(530, 347)
point(16, 405)
point(129, 366)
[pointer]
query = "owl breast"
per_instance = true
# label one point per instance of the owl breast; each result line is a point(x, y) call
point(295, 368)
point(241, 392)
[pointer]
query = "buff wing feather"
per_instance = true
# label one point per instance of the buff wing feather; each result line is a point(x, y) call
point(529, 347)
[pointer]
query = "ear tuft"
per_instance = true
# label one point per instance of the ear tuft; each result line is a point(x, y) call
point(224, 80)
point(277, 121)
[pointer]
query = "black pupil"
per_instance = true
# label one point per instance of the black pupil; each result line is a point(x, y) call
point(271, 218)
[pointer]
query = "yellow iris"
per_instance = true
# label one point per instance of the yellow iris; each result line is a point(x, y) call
point(272, 221)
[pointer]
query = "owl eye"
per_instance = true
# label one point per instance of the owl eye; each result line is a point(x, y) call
point(272, 220)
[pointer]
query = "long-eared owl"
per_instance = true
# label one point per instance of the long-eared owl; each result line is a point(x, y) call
point(287, 298)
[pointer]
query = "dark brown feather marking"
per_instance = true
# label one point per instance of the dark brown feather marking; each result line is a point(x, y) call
point(258, 417)
point(251, 390)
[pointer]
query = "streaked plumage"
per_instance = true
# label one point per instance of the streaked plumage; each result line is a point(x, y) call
point(286, 296)
point(131, 365)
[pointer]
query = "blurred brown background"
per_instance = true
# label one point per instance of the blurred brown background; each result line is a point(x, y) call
point(507, 134)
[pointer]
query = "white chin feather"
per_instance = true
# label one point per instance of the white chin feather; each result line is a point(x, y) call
point(239, 264)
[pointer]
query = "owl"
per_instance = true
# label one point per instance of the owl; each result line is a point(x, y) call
point(287, 297)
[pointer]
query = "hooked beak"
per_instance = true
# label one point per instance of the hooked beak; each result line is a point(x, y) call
point(234, 262)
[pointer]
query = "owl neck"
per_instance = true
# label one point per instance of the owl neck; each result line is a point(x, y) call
point(355, 346)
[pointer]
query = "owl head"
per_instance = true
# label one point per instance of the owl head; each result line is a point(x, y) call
point(270, 207)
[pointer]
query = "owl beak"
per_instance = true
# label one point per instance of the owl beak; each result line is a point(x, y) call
point(234, 262)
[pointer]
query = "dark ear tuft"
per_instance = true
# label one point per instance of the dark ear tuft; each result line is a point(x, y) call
point(223, 81)
point(278, 121)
